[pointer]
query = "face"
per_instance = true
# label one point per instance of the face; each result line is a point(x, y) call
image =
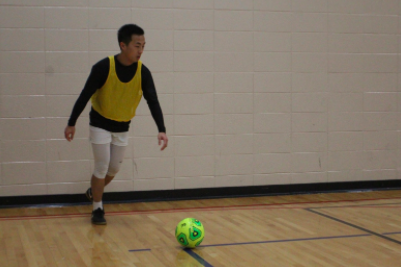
point(133, 51)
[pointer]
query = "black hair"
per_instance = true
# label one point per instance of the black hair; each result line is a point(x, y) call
point(126, 31)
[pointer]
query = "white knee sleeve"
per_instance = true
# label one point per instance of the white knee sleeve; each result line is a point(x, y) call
point(100, 170)
point(116, 159)
point(101, 154)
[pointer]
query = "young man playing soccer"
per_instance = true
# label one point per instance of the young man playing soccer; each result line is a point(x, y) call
point(115, 87)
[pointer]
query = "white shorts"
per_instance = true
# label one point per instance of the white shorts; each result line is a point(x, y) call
point(100, 136)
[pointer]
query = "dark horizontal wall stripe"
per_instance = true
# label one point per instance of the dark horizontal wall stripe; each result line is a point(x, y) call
point(202, 193)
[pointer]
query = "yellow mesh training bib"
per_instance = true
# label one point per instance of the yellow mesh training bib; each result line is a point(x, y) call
point(117, 100)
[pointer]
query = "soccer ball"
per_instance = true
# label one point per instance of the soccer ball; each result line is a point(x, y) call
point(189, 232)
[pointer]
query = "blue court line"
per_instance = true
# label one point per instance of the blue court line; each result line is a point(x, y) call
point(354, 226)
point(285, 240)
point(269, 241)
point(137, 250)
point(392, 233)
point(369, 233)
point(280, 241)
point(197, 257)
point(206, 264)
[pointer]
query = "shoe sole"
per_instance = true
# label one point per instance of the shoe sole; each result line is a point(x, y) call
point(99, 223)
point(89, 197)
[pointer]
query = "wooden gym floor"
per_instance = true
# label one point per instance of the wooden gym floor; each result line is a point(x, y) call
point(336, 229)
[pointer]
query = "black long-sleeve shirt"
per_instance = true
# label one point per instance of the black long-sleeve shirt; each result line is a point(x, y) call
point(97, 79)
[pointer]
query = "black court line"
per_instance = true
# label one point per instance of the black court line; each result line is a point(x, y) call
point(197, 257)
point(354, 226)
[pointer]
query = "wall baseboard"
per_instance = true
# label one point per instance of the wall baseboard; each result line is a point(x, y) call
point(201, 193)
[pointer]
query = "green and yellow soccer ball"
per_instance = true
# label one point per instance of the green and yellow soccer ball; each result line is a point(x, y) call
point(189, 232)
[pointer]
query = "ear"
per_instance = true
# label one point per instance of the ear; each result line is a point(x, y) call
point(122, 45)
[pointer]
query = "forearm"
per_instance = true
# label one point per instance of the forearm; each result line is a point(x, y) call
point(157, 115)
point(79, 106)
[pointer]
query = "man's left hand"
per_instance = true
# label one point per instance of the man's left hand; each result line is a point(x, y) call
point(162, 137)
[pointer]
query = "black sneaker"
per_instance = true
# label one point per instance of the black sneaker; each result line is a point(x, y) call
point(98, 217)
point(88, 194)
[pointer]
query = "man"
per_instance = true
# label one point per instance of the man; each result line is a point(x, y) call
point(115, 87)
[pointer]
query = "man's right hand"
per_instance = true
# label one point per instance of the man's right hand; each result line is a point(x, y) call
point(69, 133)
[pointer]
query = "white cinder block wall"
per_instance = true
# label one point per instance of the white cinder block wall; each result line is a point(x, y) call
point(254, 92)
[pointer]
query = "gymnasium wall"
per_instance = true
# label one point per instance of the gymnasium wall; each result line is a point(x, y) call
point(254, 92)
